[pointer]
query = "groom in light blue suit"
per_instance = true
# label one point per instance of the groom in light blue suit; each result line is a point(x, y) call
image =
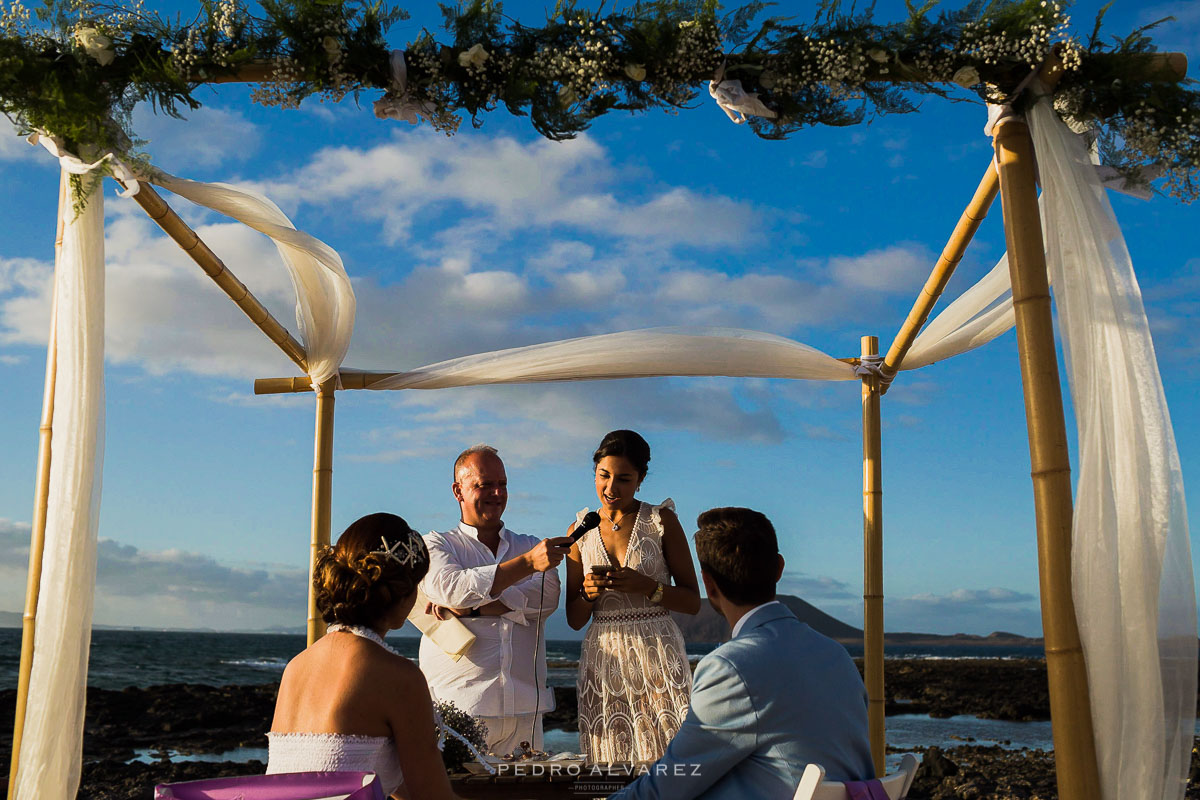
point(775, 697)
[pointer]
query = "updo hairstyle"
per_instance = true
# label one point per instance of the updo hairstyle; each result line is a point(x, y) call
point(377, 562)
point(628, 445)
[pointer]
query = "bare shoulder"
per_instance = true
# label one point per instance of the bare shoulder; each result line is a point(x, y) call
point(395, 669)
point(667, 514)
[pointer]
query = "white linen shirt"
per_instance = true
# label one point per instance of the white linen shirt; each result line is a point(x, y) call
point(496, 676)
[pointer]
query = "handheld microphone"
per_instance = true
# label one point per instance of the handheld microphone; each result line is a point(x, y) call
point(589, 521)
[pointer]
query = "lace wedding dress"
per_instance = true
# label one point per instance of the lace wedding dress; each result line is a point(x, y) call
point(634, 680)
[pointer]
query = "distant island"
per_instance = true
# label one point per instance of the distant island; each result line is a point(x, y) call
point(708, 626)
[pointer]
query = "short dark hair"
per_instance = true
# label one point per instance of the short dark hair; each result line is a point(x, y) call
point(357, 582)
point(628, 445)
point(737, 548)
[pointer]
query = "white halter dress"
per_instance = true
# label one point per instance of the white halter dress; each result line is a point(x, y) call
point(634, 681)
point(338, 752)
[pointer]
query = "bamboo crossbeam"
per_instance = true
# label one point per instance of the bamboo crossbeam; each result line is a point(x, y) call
point(41, 505)
point(358, 379)
point(322, 500)
point(174, 226)
point(1074, 746)
point(1165, 67)
point(952, 254)
point(873, 560)
point(350, 379)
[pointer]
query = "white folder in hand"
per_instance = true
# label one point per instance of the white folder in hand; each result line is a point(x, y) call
point(449, 634)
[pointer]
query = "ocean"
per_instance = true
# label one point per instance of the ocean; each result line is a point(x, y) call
point(121, 658)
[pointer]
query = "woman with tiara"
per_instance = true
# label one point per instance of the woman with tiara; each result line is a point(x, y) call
point(626, 576)
point(349, 702)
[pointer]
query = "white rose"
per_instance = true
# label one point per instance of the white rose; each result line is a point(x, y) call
point(636, 72)
point(966, 77)
point(877, 55)
point(333, 48)
point(566, 96)
point(96, 45)
point(474, 57)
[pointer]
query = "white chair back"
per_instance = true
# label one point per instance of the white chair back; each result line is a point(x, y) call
point(813, 785)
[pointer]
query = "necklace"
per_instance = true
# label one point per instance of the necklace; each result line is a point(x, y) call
point(363, 633)
point(616, 526)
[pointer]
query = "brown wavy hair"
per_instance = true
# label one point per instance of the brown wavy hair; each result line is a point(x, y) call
point(357, 582)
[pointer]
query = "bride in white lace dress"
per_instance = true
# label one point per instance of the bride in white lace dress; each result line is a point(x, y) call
point(625, 577)
point(350, 702)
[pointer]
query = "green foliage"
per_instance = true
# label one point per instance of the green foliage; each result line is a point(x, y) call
point(82, 67)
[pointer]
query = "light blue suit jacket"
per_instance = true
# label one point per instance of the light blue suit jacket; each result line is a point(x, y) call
point(763, 706)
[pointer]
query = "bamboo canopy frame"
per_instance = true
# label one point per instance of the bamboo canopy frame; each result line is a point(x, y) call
point(1012, 176)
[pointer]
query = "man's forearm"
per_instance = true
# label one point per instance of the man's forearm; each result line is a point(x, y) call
point(511, 572)
point(496, 608)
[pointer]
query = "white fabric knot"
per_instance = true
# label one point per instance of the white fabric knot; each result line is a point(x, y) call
point(397, 103)
point(74, 165)
point(869, 367)
point(735, 101)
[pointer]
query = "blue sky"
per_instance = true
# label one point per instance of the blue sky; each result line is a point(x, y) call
point(496, 238)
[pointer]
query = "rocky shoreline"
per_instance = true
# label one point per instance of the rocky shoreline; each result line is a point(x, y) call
point(193, 719)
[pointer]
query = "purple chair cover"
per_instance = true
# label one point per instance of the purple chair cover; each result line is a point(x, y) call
point(283, 786)
point(866, 790)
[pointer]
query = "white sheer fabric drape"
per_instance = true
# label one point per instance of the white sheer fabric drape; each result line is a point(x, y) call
point(325, 304)
point(645, 353)
point(1132, 572)
point(52, 740)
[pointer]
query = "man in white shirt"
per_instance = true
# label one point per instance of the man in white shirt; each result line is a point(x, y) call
point(488, 576)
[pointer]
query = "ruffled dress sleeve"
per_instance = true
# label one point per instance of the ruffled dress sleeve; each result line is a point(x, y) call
point(656, 515)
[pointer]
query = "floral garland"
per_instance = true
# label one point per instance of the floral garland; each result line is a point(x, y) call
point(79, 70)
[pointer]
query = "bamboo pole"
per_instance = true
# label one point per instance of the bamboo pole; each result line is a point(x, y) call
point(1070, 711)
point(952, 254)
point(41, 504)
point(873, 559)
point(171, 223)
point(322, 498)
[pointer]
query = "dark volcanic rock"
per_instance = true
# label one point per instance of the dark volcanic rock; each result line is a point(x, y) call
point(565, 715)
point(1008, 689)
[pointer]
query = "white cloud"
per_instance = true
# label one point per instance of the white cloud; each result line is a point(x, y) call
point(13, 147)
point(814, 587)
point(817, 159)
point(209, 136)
point(168, 588)
point(899, 268)
point(503, 185)
point(978, 611)
point(535, 423)
point(162, 312)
